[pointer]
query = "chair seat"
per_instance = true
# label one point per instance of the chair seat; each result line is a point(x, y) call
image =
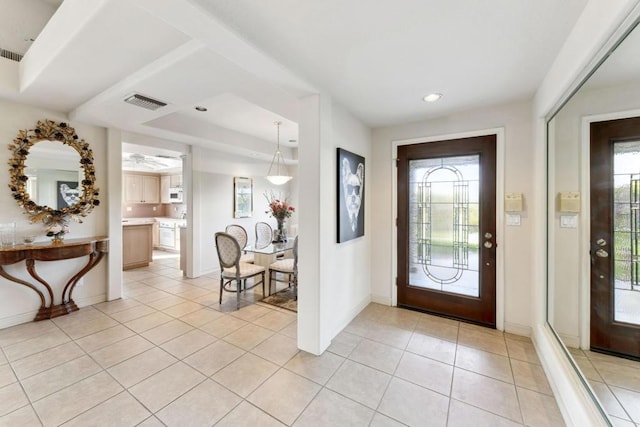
point(283, 266)
point(246, 270)
point(248, 258)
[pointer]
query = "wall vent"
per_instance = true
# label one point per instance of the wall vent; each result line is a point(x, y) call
point(144, 102)
point(10, 55)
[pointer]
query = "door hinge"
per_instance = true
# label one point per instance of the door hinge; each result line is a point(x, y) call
point(397, 162)
point(396, 222)
point(396, 281)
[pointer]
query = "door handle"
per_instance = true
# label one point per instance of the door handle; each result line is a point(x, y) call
point(488, 245)
point(602, 253)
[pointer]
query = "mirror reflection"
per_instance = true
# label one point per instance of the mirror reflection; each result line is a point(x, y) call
point(594, 230)
point(55, 174)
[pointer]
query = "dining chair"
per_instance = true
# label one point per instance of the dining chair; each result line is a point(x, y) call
point(288, 267)
point(264, 234)
point(240, 234)
point(231, 269)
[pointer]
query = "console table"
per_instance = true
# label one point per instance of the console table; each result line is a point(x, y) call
point(93, 247)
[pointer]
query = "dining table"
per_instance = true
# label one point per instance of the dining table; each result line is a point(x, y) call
point(267, 253)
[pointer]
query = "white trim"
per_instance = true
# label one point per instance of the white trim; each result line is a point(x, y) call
point(381, 299)
point(570, 392)
point(517, 329)
point(585, 231)
point(500, 231)
point(114, 215)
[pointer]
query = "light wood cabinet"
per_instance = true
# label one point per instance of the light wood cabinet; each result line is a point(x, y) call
point(137, 243)
point(141, 188)
point(165, 184)
point(175, 181)
point(156, 234)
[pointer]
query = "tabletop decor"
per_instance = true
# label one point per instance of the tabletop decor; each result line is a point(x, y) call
point(279, 209)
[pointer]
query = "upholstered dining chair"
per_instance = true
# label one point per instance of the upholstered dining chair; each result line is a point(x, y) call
point(264, 234)
point(288, 267)
point(240, 235)
point(231, 269)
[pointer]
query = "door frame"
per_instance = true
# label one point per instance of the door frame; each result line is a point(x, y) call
point(584, 288)
point(500, 223)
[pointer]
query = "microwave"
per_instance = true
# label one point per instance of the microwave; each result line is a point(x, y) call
point(175, 195)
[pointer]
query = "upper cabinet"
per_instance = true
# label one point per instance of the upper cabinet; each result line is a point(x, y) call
point(175, 181)
point(165, 184)
point(141, 188)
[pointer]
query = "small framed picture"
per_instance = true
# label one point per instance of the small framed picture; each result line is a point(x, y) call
point(350, 195)
point(242, 197)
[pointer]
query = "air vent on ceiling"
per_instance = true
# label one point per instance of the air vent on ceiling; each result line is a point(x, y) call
point(144, 102)
point(10, 55)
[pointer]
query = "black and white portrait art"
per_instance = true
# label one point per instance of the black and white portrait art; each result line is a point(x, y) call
point(350, 195)
point(68, 193)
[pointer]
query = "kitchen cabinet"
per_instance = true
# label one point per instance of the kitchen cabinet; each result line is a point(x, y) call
point(137, 244)
point(156, 234)
point(165, 184)
point(175, 180)
point(141, 188)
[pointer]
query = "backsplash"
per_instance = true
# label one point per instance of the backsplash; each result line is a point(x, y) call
point(146, 210)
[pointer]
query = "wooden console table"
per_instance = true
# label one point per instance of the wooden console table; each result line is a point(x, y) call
point(94, 247)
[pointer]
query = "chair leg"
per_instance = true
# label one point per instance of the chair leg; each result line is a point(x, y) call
point(271, 280)
point(221, 286)
point(238, 287)
point(263, 285)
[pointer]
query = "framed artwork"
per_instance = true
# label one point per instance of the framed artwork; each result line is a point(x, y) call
point(242, 197)
point(68, 193)
point(350, 195)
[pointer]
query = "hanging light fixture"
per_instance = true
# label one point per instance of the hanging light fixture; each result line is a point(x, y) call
point(277, 178)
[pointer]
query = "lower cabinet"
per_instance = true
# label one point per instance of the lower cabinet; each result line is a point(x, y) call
point(137, 245)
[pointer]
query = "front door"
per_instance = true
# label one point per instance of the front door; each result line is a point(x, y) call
point(615, 237)
point(447, 228)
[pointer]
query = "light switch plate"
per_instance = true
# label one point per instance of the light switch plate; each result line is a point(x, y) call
point(513, 219)
point(568, 221)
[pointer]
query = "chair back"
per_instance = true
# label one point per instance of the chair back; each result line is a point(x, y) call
point(228, 250)
point(264, 234)
point(239, 233)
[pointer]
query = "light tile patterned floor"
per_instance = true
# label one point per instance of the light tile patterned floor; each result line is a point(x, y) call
point(616, 382)
point(168, 354)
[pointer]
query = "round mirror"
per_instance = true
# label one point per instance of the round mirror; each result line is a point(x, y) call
point(52, 172)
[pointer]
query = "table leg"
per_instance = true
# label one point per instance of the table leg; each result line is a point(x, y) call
point(265, 261)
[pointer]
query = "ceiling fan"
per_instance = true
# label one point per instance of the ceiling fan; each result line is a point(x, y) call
point(141, 162)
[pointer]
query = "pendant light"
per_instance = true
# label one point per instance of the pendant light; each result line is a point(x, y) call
point(277, 178)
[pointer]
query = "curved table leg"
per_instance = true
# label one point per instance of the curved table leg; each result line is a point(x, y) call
point(67, 303)
point(44, 311)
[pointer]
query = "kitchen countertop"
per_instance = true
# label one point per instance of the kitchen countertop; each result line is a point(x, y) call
point(140, 221)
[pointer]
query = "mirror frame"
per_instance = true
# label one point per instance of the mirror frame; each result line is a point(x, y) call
point(49, 130)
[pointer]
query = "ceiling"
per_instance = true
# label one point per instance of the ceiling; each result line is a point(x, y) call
point(250, 62)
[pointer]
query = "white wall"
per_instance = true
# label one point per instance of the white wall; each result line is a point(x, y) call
point(516, 120)
point(19, 304)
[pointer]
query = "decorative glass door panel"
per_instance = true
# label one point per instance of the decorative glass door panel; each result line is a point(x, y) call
point(626, 231)
point(443, 224)
point(446, 228)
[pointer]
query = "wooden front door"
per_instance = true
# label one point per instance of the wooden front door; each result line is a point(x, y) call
point(447, 228)
point(615, 237)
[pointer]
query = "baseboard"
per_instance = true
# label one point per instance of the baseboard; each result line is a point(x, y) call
point(576, 405)
point(379, 299)
point(351, 315)
point(570, 340)
point(28, 317)
point(517, 329)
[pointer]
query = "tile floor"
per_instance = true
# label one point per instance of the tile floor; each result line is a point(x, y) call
point(168, 354)
point(616, 382)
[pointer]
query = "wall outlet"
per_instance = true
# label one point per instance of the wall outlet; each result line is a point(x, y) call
point(154, 208)
point(129, 208)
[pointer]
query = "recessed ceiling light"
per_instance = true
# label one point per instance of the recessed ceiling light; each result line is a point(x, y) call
point(200, 108)
point(432, 97)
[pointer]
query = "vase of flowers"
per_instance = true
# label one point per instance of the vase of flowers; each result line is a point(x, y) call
point(279, 209)
point(56, 226)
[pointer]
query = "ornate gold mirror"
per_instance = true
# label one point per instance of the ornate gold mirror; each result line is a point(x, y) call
point(52, 173)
